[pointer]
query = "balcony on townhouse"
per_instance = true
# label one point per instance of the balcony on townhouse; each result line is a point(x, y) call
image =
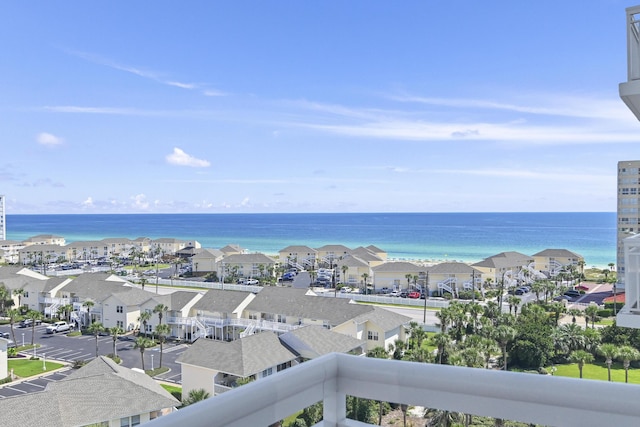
point(630, 90)
point(530, 398)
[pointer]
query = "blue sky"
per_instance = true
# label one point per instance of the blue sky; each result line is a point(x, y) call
point(312, 106)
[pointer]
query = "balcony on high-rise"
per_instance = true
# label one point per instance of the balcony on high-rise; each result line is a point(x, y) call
point(630, 90)
point(531, 398)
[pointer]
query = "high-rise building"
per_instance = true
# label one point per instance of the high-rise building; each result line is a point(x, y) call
point(3, 220)
point(628, 222)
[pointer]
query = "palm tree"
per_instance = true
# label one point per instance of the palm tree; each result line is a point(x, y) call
point(88, 304)
point(96, 328)
point(503, 335)
point(194, 396)
point(162, 331)
point(13, 315)
point(143, 282)
point(610, 352)
point(144, 317)
point(365, 277)
point(66, 310)
point(443, 342)
point(558, 308)
point(574, 312)
point(115, 332)
point(591, 313)
point(514, 302)
point(161, 309)
point(627, 354)
point(19, 293)
point(345, 269)
point(34, 315)
point(143, 343)
point(580, 357)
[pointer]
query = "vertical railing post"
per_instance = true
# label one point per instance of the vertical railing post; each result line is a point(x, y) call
point(334, 404)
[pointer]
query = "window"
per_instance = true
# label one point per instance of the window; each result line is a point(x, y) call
point(119, 309)
point(372, 336)
point(130, 421)
point(120, 324)
point(267, 372)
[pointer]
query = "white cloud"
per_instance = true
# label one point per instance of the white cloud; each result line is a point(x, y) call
point(180, 158)
point(212, 92)
point(88, 203)
point(48, 139)
point(140, 201)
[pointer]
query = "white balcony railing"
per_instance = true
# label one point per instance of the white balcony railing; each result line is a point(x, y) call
point(531, 398)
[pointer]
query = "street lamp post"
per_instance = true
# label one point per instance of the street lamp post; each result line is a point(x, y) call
point(426, 293)
point(23, 339)
point(44, 362)
point(152, 362)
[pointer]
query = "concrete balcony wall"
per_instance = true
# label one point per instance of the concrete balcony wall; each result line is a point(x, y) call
point(530, 398)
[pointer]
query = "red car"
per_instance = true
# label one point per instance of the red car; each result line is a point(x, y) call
point(414, 295)
point(582, 288)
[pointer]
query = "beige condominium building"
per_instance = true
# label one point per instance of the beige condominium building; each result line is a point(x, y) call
point(3, 220)
point(628, 222)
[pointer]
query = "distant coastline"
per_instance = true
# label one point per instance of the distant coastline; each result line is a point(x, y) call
point(429, 237)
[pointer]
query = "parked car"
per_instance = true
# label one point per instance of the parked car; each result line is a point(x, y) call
point(414, 295)
point(394, 294)
point(26, 323)
point(4, 335)
point(572, 293)
point(562, 298)
point(582, 288)
point(288, 276)
point(404, 294)
point(58, 327)
point(520, 291)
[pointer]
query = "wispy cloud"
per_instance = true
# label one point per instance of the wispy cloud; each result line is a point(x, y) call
point(180, 158)
point(146, 74)
point(48, 139)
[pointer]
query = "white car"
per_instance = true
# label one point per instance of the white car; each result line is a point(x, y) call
point(58, 327)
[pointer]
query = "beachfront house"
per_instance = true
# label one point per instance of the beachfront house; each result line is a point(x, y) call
point(554, 261)
point(511, 268)
point(254, 265)
point(219, 366)
point(41, 254)
point(206, 260)
point(453, 277)
point(9, 251)
point(351, 269)
point(298, 256)
point(373, 259)
point(398, 275)
point(330, 254)
point(170, 245)
point(45, 239)
point(122, 309)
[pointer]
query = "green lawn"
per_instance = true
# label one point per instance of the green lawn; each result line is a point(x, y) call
point(27, 368)
point(598, 372)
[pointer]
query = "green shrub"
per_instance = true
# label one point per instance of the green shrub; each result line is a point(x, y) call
point(5, 380)
point(605, 313)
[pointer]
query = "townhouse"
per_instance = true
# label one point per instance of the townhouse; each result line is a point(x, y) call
point(110, 395)
point(553, 261)
point(399, 274)
point(452, 277)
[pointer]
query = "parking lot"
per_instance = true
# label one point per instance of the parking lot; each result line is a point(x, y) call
point(62, 348)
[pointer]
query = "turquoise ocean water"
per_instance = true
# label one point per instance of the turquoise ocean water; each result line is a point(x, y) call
point(466, 237)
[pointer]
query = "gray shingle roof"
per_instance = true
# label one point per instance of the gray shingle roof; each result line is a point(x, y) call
point(246, 258)
point(243, 357)
point(295, 303)
point(399, 266)
point(216, 300)
point(313, 341)
point(562, 253)
point(504, 260)
point(108, 392)
point(453, 268)
point(387, 320)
